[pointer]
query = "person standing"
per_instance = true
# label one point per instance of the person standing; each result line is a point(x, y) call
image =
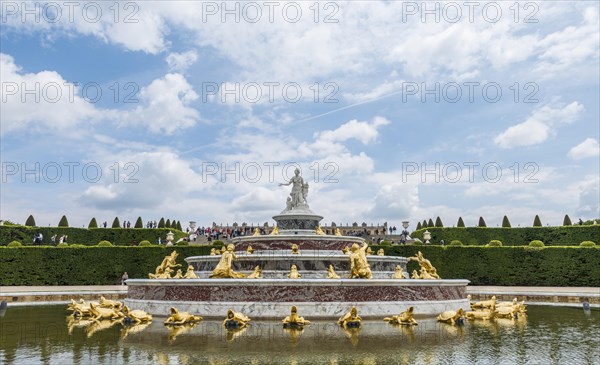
point(124, 278)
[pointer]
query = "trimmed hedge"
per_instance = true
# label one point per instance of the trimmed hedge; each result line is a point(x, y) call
point(104, 244)
point(536, 243)
point(88, 265)
point(588, 244)
point(550, 266)
point(516, 236)
point(456, 243)
point(495, 243)
point(91, 236)
point(515, 266)
point(15, 244)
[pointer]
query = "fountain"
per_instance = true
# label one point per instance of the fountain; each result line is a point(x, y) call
point(258, 283)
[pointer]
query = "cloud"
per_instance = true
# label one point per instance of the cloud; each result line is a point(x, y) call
point(165, 106)
point(587, 148)
point(538, 127)
point(180, 62)
point(43, 100)
point(365, 132)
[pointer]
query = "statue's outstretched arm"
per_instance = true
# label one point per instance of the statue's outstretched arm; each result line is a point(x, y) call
point(285, 184)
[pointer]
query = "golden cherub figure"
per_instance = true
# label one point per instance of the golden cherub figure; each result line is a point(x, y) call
point(380, 252)
point(178, 275)
point(319, 231)
point(213, 252)
point(275, 231)
point(331, 273)
point(295, 249)
point(190, 274)
point(399, 274)
point(256, 232)
point(337, 232)
point(249, 250)
point(294, 274)
point(346, 250)
point(256, 274)
point(369, 251)
point(359, 267)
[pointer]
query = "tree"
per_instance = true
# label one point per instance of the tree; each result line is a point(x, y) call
point(505, 222)
point(536, 221)
point(168, 224)
point(63, 222)
point(438, 222)
point(93, 223)
point(460, 222)
point(30, 222)
point(430, 223)
point(116, 223)
point(161, 223)
point(419, 226)
point(424, 225)
point(481, 222)
point(179, 226)
point(138, 223)
point(567, 221)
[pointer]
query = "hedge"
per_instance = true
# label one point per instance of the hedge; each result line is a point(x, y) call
point(86, 236)
point(87, 265)
point(514, 266)
point(517, 266)
point(515, 236)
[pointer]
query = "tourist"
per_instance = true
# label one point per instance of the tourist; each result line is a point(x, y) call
point(124, 277)
point(53, 240)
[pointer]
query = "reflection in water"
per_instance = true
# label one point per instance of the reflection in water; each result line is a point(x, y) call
point(176, 330)
point(233, 333)
point(294, 333)
point(547, 335)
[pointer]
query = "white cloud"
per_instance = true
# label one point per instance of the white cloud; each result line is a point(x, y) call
point(165, 105)
point(539, 126)
point(587, 148)
point(43, 100)
point(180, 62)
point(363, 131)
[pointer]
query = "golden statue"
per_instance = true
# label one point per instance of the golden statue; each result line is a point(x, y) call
point(235, 320)
point(507, 304)
point(293, 320)
point(426, 267)
point(380, 252)
point(319, 231)
point(190, 273)
point(104, 313)
point(164, 270)
point(507, 312)
point(350, 319)
point(331, 273)
point(256, 274)
point(136, 315)
point(295, 249)
point(106, 303)
point(294, 274)
point(414, 275)
point(213, 252)
point(222, 249)
point(178, 318)
point(337, 232)
point(256, 232)
point(484, 304)
point(223, 269)
point(275, 231)
point(346, 250)
point(369, 251)
point(399, 274)
point(404, 318)
point(249, 250)
point(81, 309)
point(452, 317)
point(359, 267)
point(482, 314)
point(178, 275)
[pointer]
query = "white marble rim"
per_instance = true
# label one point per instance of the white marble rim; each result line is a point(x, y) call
point(309, 310)
point(297, 282)
point(297, 237)
point(306, 256)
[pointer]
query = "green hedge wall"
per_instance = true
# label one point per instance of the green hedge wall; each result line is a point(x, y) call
point(522, 266)
point(518, 266)
point(86, 236)
point(515, 236)
point(85, 265)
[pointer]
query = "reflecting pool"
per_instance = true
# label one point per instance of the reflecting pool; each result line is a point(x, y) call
point(549, 335)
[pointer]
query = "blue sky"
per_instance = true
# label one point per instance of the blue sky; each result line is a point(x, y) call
point(345, 90)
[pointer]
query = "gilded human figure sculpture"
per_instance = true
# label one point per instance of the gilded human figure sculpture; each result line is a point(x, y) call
point(256, 274)
point(359, 267)
point(164, 270)
point(331, 274)
point(380, 252)
point(178, 275)
point(414, 275)
point(249, 250)
point(256, 232)
point(223, 269)
point(190, 273)
point(399, 273)
point(294, 320)
point(405, 318)
point(294, 274)
point(275, 231)
point(299, 191)
point(369, 251)
point(337, 232)
point(319, 231)
point(350, 319)
point(295, 249)
point(235, 320)
point(213, 252)
point(427, 270)
point(346, 250)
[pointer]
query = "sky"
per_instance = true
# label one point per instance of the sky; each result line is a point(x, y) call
point(393, 111)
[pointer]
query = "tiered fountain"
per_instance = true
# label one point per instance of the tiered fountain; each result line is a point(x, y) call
point(314, 294)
